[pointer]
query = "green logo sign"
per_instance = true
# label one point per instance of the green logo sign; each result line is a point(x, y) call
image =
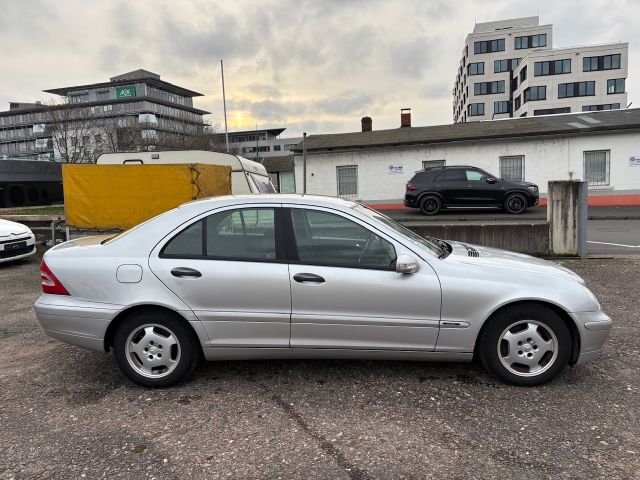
point(126, 92)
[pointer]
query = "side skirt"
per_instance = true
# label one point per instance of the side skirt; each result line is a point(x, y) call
point(230, 353)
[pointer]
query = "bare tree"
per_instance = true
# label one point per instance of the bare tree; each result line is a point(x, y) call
point(73, 131)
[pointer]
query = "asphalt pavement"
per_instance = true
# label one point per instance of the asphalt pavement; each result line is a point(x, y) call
point(67, 413)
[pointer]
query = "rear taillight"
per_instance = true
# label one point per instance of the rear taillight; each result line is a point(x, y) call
point(49, 282)
point(411, 186)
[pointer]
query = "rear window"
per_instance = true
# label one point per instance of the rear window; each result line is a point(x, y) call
point(263, 184)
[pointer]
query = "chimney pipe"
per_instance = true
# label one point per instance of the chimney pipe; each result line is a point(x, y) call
point(367, 124)
point(405, 117)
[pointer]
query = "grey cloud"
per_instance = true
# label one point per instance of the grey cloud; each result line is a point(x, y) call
point(413, 56)
point(344, 103)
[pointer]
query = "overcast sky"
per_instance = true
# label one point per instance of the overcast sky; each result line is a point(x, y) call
point(315, 66)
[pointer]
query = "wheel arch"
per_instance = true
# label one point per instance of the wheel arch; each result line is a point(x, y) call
point(515, 190)
point(560, 311)
point(126, 313)
point(430, 192)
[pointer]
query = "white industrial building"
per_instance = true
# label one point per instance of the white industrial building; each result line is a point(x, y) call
point(509, 68)
point(374, 166)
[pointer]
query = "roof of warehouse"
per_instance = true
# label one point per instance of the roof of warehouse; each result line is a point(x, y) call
point(565, 124)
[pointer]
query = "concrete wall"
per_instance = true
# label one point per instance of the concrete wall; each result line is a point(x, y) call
point(530, 238)
point(558, 158)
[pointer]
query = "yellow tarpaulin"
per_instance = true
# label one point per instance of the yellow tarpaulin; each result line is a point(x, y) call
point(118, 197)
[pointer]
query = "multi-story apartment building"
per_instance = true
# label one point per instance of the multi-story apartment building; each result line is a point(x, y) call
point(509, 68)
point(132, 109)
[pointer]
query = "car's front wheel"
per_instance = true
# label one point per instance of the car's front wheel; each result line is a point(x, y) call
point(526, 344)
point(515, 203)
point(155, 349)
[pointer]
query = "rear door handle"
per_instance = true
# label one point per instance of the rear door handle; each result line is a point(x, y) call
point(182, 272)
point(308, 277)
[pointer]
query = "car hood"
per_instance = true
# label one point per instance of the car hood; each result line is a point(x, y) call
point(504, 259)
point(7, 228)
point(518, 183)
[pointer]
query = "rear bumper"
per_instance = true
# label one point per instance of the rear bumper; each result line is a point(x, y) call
point(72, 321)
point(594, 329)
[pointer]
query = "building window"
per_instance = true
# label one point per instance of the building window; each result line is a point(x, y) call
point(501, 107)
point(290, 146)
point(531, 41)
point(516, 103)
point(576, 89)
point(433, 163)
point(604, 62)
point(512, 167)
point(347, 180)
point(606, 106)
point(596, 167)
point(488, 88)
point(488, 46)
point(505, 65)
point(276, 148)
point(475, 109)
point(476, 68)
point(555, 67)
point(615, 85)
point(535, 93)
point(551, 111)
point(523, 74)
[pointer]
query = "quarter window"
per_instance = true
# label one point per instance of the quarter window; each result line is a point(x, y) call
point(323, 238)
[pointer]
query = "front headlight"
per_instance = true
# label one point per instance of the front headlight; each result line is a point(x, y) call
point(533, 189)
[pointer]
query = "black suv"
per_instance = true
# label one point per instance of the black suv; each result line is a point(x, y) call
point(467, 187)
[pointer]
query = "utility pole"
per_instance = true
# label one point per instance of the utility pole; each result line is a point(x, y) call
point(257, 145)
point(304, 163)
point(224, 103)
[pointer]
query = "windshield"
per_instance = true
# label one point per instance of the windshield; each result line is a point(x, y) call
point(429, 243)
point(263, 184)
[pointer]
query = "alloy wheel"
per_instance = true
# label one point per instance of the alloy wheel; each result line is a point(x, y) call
point(153, 350)
point(527, 348)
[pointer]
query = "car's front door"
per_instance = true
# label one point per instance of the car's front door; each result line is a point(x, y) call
point(482, 189)
point(230, 269)
point(345, 292)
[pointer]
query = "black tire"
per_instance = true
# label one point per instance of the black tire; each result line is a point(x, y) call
point(430, 204)
point(185, 353)
point(491, 348)
point(515, 203)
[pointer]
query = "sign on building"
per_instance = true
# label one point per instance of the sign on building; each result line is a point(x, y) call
point(395, 169)
point(128, 91)
point(634, 161)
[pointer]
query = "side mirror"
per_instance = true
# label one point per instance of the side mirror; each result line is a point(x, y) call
point(491, 180)
point(406, 264)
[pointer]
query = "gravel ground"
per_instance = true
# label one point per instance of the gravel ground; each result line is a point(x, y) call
point(68, 413)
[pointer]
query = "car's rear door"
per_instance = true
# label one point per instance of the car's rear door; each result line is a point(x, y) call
point(230, 268)
point(345, 292)
point(453, 186)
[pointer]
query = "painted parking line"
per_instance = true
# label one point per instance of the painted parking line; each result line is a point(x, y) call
point(615, 244)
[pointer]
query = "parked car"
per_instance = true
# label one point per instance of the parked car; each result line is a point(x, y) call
point(290, 276)
point(247, 176)
point(436, 188)
point(16, 241)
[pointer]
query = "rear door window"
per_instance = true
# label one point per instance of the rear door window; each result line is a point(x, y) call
point(457, 175)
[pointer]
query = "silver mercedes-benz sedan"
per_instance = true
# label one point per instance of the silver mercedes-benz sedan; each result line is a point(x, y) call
point(289, 276)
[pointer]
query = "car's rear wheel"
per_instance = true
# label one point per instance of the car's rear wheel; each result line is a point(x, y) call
point(526, 344)
point(155, 349)
point(515, 203)
point(430, 204)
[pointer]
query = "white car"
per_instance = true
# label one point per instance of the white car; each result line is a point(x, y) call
point(291, 276)
point(16, 241)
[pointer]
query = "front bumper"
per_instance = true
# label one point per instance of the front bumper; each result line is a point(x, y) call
point(9, 253)
point(76, 322)
point(594, 329)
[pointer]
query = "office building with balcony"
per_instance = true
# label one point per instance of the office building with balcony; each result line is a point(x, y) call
point(509, 68)
point(129, 111)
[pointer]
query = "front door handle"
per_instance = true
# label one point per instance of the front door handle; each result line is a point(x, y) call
point(308, 277)
point(182, 272)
